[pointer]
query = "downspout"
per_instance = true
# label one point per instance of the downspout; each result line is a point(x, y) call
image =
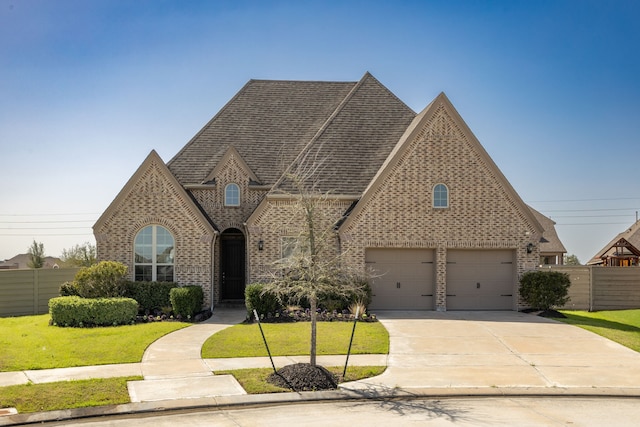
point(213, 266)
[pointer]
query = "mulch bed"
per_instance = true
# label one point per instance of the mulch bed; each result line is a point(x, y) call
point(304, 377)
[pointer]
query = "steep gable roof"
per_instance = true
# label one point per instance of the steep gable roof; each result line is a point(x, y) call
point(153, 162)
point(349, 126)
point(413, 132)
point(550, 242)
point(630, 235)
point(231, 153)
point(355, 141)
point(268, 122)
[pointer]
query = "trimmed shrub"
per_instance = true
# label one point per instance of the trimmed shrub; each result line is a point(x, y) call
point(543, 290)
point(102, 280)
point(82, 312)
point(150, 295)
point(342, 302)
point(256, 299)
point(68, 289)
point(186, 301)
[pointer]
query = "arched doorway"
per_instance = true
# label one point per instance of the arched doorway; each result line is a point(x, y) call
point(232, 264)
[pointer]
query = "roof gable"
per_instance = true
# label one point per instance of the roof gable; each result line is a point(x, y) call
point(230, 156)
point(441, 125)
point(630, 235)
point(152, 169)
point(550, 242)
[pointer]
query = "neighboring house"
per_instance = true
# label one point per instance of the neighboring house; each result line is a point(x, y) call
point(415, 198)
point(22, 261)
point(552, 250)
point(622, 251)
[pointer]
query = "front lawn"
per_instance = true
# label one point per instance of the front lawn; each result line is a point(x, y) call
point(292, 339)
point(622, 326)
point(66, 394)
point(28, 342)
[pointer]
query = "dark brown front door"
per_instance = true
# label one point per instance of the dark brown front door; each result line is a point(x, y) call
point(232, 264)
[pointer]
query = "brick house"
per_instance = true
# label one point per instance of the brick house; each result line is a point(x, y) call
point(415, 198)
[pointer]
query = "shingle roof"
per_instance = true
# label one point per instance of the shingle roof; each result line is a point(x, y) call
point(550, 241)
point(631, 235)
point(353, 126)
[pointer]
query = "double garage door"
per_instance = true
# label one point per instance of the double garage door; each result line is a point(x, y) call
point(404, 279)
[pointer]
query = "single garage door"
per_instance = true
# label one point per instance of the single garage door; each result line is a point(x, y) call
point(480, 279)
point(403, 278)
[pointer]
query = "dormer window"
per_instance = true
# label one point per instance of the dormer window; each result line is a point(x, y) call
point(232, 195)
point(440, 196)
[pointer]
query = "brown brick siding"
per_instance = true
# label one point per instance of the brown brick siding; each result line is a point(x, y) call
point(153, 199)
point(481, 214)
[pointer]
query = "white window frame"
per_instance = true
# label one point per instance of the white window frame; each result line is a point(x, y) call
point(437, 201)
point(154, 264)
point(234, 198)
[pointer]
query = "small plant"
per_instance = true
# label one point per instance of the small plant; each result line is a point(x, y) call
point(543, 290)
point(358, 308)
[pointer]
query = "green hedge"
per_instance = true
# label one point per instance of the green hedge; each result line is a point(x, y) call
point(186, 301)
point(150, 295)
point(263, 303)
point(79, 312)
point(544, 290)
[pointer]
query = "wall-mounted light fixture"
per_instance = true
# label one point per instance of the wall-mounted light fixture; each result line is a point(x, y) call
point(530, 248)
point(260, 244)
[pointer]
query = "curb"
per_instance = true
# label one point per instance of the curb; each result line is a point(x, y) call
point(257, 400)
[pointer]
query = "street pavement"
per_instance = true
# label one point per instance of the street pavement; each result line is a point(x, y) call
point(493, 353)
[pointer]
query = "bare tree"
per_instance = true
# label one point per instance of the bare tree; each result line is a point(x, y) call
point(312, 265)
point(36, 255)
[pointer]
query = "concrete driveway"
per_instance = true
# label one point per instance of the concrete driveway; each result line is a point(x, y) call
point(500, 351)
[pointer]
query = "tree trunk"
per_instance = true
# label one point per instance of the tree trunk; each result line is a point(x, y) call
point(314, 303)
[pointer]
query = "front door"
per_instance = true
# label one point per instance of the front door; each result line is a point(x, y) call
point(232, 264)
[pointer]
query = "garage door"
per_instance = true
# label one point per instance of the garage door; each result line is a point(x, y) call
point(480, 280)
point(403, 278)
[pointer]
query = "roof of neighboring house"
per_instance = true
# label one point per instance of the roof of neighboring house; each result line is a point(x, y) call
point(22, 261)
point(631, 235)
point(550, 242)
point(347, 128)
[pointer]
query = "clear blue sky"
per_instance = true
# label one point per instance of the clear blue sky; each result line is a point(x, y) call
point(89, 88)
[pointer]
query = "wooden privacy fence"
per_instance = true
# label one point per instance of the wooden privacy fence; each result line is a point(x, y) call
point(602, 288)
point(26, 292)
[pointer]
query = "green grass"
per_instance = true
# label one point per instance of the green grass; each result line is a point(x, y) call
point(254, 381)
point(66, 394)
point(28, 342)
point(292, 339)
point(621, 326)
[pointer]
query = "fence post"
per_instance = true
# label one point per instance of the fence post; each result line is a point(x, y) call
point(36, 290)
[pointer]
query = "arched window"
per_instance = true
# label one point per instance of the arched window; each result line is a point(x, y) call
point(232, 195)
point(154, 250)
point(440, 196)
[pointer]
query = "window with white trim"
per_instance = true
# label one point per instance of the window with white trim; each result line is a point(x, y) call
point(440, 196)
point(154, 249)
point(232, 195)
